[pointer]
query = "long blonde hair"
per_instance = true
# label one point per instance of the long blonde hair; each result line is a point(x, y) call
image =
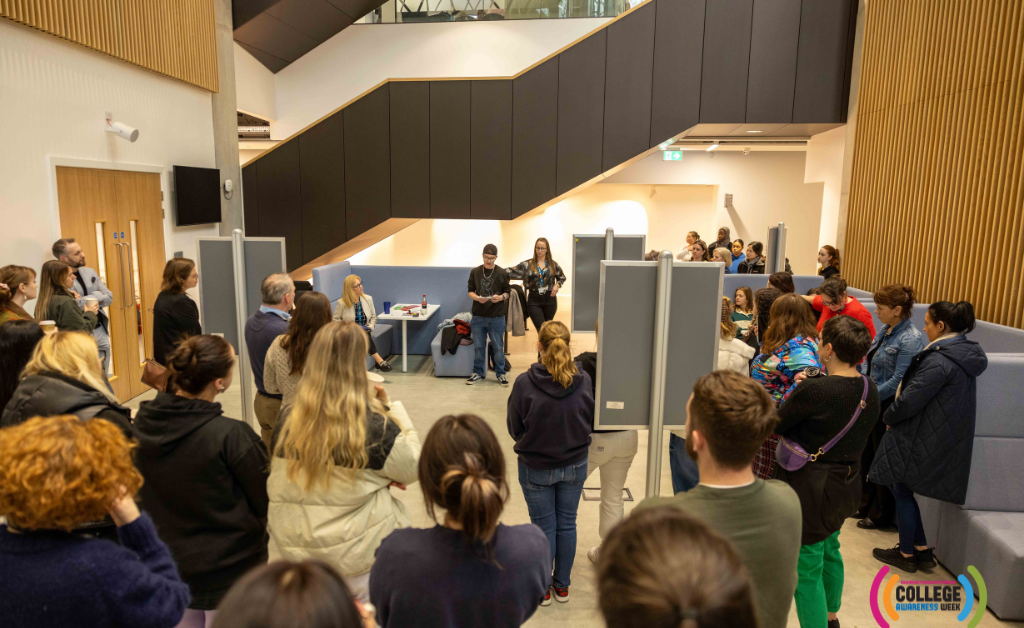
point(51, 282)
point(554, 337)
point(348, 292)
point(73, 354)
point(327, 425)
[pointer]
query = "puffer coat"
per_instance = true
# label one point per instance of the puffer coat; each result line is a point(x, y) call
point(344, 523)
point(930, 438)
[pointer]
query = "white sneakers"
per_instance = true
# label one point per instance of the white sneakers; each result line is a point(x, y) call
point(592, 554)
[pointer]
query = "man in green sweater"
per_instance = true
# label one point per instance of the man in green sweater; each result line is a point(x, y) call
point(728, 417)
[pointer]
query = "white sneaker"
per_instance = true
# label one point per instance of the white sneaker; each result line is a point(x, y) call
point(546, 600)
point(592, 554)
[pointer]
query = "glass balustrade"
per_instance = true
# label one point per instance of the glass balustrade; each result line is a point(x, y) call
point(406, 11)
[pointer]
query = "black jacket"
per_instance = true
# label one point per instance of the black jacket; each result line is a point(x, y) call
point(550, 424)
point(175, 317)
point(587, 363)
point(52, 394)
point(828, 272)
point(206, 490)
point(931, 437)
point(748, 267)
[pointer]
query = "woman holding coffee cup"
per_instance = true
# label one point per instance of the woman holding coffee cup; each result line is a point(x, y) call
point(56, 301)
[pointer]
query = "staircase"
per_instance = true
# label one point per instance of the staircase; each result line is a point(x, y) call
point(497, 149)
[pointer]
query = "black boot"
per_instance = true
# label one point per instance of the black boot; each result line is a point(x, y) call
point(896, 558)
point(833, 623)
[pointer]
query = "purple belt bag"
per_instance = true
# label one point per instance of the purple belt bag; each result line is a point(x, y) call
point(791, 456)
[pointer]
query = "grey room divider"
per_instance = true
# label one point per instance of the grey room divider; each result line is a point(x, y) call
point(587, 252)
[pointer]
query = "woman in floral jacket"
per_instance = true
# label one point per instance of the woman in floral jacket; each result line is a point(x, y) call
point(789, 346)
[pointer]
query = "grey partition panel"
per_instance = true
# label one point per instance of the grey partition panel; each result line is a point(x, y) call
point(626, 339)
point(587, 253)
point(263, 257)
point(216, 266)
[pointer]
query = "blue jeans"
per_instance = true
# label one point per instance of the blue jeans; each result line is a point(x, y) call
point(908, 518)
point(482, 327)
point(553, 497)
point(685, 474)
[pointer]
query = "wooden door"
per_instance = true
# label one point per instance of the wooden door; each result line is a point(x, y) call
point(140, 215)
point(88, 213)
point(118, 220)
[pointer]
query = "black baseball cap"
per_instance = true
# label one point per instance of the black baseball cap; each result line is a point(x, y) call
point(490, 249)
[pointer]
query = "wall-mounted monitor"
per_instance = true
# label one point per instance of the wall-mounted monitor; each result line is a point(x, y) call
point(197, 195)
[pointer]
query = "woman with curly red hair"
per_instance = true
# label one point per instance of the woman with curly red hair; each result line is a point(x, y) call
point(58, 474)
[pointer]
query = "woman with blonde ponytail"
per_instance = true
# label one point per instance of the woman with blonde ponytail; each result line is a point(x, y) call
point(550, 414)
point(337, 449)
point(470, 570)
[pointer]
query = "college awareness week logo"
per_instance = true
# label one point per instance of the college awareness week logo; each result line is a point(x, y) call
point(914, 596)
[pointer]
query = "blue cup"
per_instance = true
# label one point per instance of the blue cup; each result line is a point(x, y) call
point(387, 307)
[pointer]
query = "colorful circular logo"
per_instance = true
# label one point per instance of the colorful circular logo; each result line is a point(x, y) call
point(913, 596)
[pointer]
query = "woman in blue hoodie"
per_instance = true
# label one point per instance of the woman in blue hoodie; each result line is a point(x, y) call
point(550, 413)
point(927, 447)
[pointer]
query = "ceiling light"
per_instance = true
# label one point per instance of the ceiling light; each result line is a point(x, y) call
point(753, 131)
point(712, 147)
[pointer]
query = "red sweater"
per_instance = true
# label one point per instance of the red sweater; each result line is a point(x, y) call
point(852, 308)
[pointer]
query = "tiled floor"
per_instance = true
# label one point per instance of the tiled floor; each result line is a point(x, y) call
point(428, 398)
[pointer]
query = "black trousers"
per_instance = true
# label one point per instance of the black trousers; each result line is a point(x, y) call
point(373, 347)
point(541, 308)
point(877, 502)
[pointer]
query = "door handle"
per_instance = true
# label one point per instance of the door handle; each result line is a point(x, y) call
point(124, 288)
point(131, 276)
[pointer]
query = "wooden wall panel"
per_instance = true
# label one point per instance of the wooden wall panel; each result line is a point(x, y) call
point(534, 132)
point(410, 149)
point(491, 154)
point(627, 93)
point(449, 149)
point(936, 196)
point(322, 175)
point(367, 163)
point(175, 38)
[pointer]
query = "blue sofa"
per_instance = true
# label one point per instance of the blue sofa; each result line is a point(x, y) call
point(330, 281)
point(407, 284)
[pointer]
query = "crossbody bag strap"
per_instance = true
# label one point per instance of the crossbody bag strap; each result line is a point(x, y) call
point(838, 437)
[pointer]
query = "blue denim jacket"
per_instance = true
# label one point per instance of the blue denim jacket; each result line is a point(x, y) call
point(893, 356)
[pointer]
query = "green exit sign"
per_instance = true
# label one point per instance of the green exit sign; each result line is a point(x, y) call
point(672, 155)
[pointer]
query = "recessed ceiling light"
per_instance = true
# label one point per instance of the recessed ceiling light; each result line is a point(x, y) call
point(712, 147)
point(753, 131)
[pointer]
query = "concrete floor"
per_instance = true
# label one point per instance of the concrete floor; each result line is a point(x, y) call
point(427, 398)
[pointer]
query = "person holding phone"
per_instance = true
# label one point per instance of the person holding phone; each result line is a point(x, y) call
point(489, 288)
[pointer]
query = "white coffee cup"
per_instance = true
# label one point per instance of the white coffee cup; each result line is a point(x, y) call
point(48, 326)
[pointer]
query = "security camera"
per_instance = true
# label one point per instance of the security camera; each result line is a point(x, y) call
point(121, 129)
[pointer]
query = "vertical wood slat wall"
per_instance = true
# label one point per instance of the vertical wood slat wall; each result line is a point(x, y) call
point(175, 38)
point(937, 194)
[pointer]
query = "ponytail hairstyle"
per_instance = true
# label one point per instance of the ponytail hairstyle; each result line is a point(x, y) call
point(462, 470)
point(51, 282)
point(664, 568)
point(696, 236)
point(757, 248)
point(554, 338)
point(14, 277)
point(896, 295)
point(199, 360)
point(834, 252)
point(728, 330)
point(957, 317)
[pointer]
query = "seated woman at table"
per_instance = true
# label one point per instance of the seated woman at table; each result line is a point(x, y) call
point(357, 307)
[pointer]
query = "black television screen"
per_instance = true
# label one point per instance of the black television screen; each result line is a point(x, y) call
point(197, 195)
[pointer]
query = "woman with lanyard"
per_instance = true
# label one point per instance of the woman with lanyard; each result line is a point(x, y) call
point(355, 306)
point(542, 277)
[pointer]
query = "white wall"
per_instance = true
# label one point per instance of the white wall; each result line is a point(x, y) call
point(254, 85)
point(825, 155)
point(629, 209)
point(767, 187)
point(52, 98)
point(362, 56)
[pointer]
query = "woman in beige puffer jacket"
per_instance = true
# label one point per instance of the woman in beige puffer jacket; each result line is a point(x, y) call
point(337, 450)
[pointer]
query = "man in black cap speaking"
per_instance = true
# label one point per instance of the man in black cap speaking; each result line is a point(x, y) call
point(489, 289)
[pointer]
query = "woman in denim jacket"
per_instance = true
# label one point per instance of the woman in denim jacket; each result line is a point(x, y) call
point(895, 345)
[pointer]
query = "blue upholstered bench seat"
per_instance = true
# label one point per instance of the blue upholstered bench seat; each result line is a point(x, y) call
point(459, 364)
